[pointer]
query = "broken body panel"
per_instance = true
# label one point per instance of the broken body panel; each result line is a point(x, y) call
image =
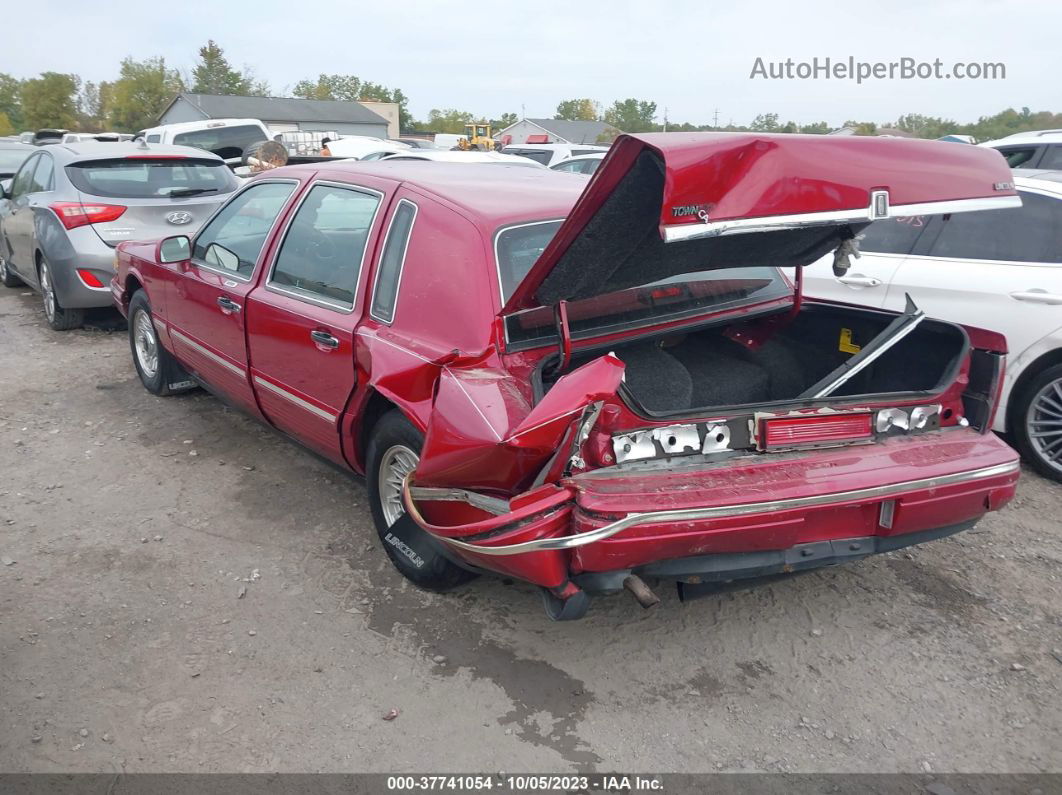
point(594, 488)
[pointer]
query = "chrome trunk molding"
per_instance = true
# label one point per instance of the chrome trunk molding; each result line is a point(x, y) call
point(725, 511)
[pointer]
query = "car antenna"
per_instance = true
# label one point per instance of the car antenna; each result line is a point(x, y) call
point(142, 144)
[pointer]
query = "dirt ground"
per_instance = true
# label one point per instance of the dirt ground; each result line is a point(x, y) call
point(184, 590)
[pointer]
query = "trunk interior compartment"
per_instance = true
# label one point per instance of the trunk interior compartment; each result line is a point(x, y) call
point(680, 373)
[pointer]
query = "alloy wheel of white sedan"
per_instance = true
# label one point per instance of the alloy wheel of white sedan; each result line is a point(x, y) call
point(1043, 421)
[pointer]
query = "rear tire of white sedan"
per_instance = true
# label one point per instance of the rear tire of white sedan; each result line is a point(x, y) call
point(1037, 423)
point(7, 276)
point(159, 372)
point(58, 317)
point(394, 451)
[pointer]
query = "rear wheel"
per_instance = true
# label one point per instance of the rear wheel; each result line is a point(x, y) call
point(393, 453)
point(1038, 423)
point(159, 372)
point(7, 276)
point(59, 318)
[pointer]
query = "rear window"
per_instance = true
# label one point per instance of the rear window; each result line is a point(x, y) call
point(223, 141)
point(542, 156)
point(151, 179)
point(677, 297)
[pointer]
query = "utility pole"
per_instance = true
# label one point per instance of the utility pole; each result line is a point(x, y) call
point(715, 120)
point(665, 118)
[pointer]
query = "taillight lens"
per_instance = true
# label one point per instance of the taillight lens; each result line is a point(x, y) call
point(89, 278)
point(75, 214)
point(815, 429)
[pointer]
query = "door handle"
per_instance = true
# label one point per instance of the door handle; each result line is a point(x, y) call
point(1037, 295)
point(228, 305)
point(859, 280)
point(324, 339)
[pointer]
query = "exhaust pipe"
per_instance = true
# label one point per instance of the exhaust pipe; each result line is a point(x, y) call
point(640, 591)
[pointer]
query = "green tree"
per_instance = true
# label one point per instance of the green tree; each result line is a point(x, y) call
point(213, 75)
point(817, 128)
point(10, 99)
point(631, 115)
point(89, 107)
point(350, 88)
point(578, 110)
point(141, 92)
point(50, 101)
point(503, 121)
point(766, 122)
point(6, 127)
point(862, 127)
point(448, 120)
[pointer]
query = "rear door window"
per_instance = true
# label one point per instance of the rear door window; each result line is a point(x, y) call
point(389, 274)
point(1030, 233)
point(542, 156)
point(43, 175)
point(147, 178)
point(1052, 158)
point(1020, 156)
point(893, 235)
point(233, 239)
point(24, 178)
point(222, 141)
point(324, 247)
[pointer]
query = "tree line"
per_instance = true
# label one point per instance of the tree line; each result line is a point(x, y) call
point(143, 89)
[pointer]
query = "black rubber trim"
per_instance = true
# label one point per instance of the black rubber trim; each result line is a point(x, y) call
point(712, 571)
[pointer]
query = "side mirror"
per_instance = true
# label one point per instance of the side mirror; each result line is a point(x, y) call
point(175, 249)
point(5, 188)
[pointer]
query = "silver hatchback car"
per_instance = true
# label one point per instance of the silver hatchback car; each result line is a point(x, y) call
point(69, 205)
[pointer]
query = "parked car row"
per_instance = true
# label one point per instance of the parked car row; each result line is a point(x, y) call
point(592, 386)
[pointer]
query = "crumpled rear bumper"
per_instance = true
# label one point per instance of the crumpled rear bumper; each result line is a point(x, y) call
point(620, 521)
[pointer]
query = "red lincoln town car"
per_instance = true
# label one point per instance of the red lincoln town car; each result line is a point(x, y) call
point(596, 386)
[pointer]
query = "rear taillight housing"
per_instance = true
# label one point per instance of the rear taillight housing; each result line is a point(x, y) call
point(812, 430)
point(75, 214)
point(90, 279)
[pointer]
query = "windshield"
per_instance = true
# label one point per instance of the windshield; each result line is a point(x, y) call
point(147, 178)
point(685, 295)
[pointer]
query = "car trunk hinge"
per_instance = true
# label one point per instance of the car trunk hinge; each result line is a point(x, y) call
point(798, 293)
point(564, 336)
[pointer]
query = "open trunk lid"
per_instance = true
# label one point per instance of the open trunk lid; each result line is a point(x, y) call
point(667, 204)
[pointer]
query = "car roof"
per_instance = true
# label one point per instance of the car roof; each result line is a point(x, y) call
point(17, 145)
point(201, 124)
point(1033, 136)
point(113, 150)
point(1040, 179)
point(496, 195)
point(463, 157)
point(555, 146)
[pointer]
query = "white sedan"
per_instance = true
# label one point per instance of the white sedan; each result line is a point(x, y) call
point(999, 270)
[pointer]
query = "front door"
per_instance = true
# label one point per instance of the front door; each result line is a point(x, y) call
point(204, 301)
point(302, 318)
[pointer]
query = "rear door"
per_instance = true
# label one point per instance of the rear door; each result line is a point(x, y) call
point(999, 270)
point(18, 222)
point(205, 297)
point(301, 319)
point(883, 248)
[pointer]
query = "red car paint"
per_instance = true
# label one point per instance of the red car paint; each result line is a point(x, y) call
point(443, 361)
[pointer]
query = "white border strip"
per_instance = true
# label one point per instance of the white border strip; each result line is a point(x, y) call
point(240, 371)
point(295, 399)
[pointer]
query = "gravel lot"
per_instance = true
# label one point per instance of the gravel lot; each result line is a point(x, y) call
point(184, 590)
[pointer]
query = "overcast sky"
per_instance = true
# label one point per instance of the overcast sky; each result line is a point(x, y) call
point(491, 58)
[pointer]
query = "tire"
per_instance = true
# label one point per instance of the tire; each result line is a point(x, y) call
point(1040, 404)
point(7, 276)
point(59, 318)
point(395, 447)
point(159, 372)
